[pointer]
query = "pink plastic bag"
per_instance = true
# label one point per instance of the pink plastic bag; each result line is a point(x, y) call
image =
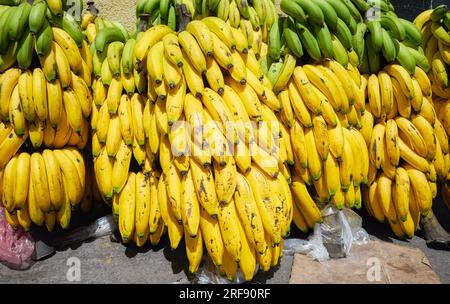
point(16, 247)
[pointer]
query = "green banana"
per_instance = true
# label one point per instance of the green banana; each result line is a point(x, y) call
point(140, 5)
point(309, 42)
point(274, 42)
point(37, 16)
point(243, 8)
point(353, 10)
point(274, 71)
point(372, 56)
point(4, 35)
point(253, 17)
point(290, 36)
point(114, 55)
point(44, 39)
point(361, 5)
point(223, 10)
point(121, 28)
point(212, 4)
point(127, 56)
point(172, 18)
point(150, 7)
point(358, 39)
point(420, 59)
point(294, 10)
point(25, 51)
point(341, 10)
point(412, 32)
point(18, 21)
point(70, 25)
point(393, 26)
point(353, 26)
point(315, 14)
point(9, 58)
point(440, 33)
point(376, 35)
point(106, 36)
point(324, 40)
point(97, 61)
point(446, 21)
point(439, 12)
point(329, 14)
point(339, 51)
point(364, 62)
point(10, 2)
point(389, 50)
point(344, 34)
point(405, 58)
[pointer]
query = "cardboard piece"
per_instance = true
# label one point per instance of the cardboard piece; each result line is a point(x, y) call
point(374, 263)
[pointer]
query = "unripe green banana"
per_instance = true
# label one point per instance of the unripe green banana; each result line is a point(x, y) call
point(294, 10)
point(9, 58)
point(323, 38)
point(439, 12)
point(274, 71)
point(261, 10)
point(339, 51)
point(37, 16)
point(405, 58)
point(18, 21)
point(25, 51)
point(420, 59)
point(44, 39)
point(127, 56)
point(376, 35)
point(309, 42)
point(364, 62)
point(353, 10)
point(243, 8)
point(114, 56)
point(372, 56)
point(4, 35)
point(329, 14)
point(388, 49)
point(358, 39)
point(393, 26)
point(412, 32)
point(274, 42)
point(314, 13)
point(106, 36)
point(344, 34)
point(172, 18)
point(290, 36)
point(341, 10)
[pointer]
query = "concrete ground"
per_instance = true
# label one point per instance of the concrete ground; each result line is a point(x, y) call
point(104, 261)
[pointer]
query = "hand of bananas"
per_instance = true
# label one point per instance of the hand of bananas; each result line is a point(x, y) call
point(177, 13)
point(365, 32)
point(408, 148)
point(27, 28)
point(43, 188)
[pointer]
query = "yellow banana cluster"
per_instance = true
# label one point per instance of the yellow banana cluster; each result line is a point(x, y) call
point(408, 148)
point(44, 188)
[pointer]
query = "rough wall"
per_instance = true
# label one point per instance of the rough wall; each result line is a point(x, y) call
point(123, 11)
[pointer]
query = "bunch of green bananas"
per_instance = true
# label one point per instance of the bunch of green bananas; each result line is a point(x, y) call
point(26, 28)
point(434, 25)
point(173, 13)
point(366, 33)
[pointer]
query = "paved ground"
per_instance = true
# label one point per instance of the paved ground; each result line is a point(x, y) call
point(103, 261)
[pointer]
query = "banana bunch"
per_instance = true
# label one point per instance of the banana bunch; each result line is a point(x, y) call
point(366, 33)
point(166, 161)
point(26, 29)
point(52, 102)
point(408, 148)
point(321, 109)
point(434, 25)
point(258, 15)
point(44, 188)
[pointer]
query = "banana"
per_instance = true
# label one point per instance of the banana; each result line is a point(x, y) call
point(374, 94)
point(8, 82)
point(309, 42)
point(192, 51)
point(274, 42)
point(242, 44)
point(300, 109)
point(40, 94)
point(63, 66)
point(304, 202)
point(228, 221)
point(412, 158)
point(213, 240)
point(142, 204)
point(16, 116)
point(127, 208)
point(148, 39)
point(421, 190)
point(410, 134)
point(73, 109)
point(439, 70)
point(205, 189)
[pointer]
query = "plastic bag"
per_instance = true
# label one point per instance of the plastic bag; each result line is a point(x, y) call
point(333, 238)
point(101, 227)
point(16, 246)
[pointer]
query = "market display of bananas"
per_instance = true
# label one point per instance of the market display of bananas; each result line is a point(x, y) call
point(256, 15)
point(408, 148)
point(44, 188)
point(366, 33)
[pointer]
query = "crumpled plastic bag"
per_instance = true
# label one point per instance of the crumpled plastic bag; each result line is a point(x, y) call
point(16, 246)
point(333, 238)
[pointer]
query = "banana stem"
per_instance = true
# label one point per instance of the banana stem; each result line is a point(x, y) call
point(435, 236)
